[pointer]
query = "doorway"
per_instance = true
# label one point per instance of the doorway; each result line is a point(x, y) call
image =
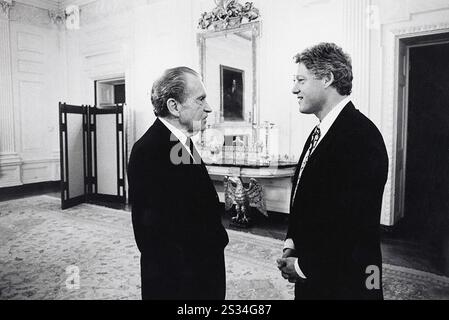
point(110, 92)
point(426, 189)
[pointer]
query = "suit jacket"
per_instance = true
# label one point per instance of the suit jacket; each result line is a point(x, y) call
point(176, 218)
point(335, 216)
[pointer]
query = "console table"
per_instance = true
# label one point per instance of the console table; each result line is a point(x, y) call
point(274, 177)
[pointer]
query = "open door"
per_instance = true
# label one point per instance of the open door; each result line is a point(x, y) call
point(401, 137)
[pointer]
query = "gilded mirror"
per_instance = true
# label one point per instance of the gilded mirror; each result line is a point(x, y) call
point(228, 63)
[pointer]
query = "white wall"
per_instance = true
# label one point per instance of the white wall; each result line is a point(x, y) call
point(162, 34)
point(35, 89)
point(139, 39)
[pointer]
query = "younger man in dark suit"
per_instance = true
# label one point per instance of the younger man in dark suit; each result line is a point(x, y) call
point(332, 248)
point(176, 213)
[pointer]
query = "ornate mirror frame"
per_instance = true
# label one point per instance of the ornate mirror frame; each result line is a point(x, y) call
point(254, 29)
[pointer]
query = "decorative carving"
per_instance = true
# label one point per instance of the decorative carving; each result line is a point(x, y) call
point(6, 6)
point(419, 29)
point(228, 14)
point(72, 14)
point(243, 198)
point(58, 17)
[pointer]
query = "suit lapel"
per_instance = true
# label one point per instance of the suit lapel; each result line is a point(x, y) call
point(333, 132)
point(298, 166)
point(173, 141)
point(322, 147)
point(193, 169)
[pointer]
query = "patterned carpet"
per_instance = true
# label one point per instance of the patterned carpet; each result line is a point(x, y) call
point(40, 244)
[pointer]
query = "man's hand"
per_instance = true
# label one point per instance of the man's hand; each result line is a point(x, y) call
point(287, 268)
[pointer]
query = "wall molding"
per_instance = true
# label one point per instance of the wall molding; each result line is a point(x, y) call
point(31, 15)
point(43, 4)
point(16, 171)
point(402, 11)
point(357, 41)
point(10, 170)
point(40, 170)
point(418, 30)
point(6, 90)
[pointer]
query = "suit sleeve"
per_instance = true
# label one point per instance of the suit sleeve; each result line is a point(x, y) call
point(364, 180)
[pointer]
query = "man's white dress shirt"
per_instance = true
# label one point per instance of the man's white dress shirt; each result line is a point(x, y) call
point(178, 134)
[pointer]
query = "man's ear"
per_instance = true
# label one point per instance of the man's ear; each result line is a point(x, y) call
point(328, 80)
point(173, 107)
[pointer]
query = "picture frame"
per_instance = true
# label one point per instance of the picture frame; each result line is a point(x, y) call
point(232, 92)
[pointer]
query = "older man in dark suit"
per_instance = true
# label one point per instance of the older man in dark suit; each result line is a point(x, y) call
point(332, 248)
point(176, 213)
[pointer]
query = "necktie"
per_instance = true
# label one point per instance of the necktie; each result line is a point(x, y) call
point(313, 142)
point(195, 155)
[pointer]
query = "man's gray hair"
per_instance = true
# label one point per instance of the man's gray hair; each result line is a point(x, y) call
point(171, 85)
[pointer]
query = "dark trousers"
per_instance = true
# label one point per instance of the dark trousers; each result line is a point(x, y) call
point(206, 282)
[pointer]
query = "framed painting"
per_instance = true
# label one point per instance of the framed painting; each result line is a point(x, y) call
point(231, 93)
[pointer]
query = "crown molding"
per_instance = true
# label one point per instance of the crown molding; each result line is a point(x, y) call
point(79, 3)
point(54, 4)
point(42, 4)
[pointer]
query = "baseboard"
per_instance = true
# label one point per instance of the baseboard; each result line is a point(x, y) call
point(31, 189)
point(15, 171)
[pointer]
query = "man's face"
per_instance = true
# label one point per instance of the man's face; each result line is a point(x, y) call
point(194, 111)
point(309, 90)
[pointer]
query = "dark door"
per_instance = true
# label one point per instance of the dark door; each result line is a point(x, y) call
point(427, 171)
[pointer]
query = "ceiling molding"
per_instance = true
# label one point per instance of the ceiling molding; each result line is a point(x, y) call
point(54, 4)
point(65, 3)
point(43, 4)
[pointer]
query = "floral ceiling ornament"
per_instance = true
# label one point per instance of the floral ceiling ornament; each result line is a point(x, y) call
point(228, 14)
point(6, 6)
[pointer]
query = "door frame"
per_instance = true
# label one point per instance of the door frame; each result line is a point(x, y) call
point(403, 46)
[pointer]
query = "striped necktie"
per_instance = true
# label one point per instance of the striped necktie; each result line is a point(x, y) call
point(313, 143)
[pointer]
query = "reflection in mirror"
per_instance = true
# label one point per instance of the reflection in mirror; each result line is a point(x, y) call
point(228, 60)
point(228, 77)
point(232, 92)
point(228, 66)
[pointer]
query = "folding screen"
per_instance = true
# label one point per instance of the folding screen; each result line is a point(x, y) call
point(92, 144)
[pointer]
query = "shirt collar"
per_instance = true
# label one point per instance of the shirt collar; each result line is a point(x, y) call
point(177, 133)
point(330, 118)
